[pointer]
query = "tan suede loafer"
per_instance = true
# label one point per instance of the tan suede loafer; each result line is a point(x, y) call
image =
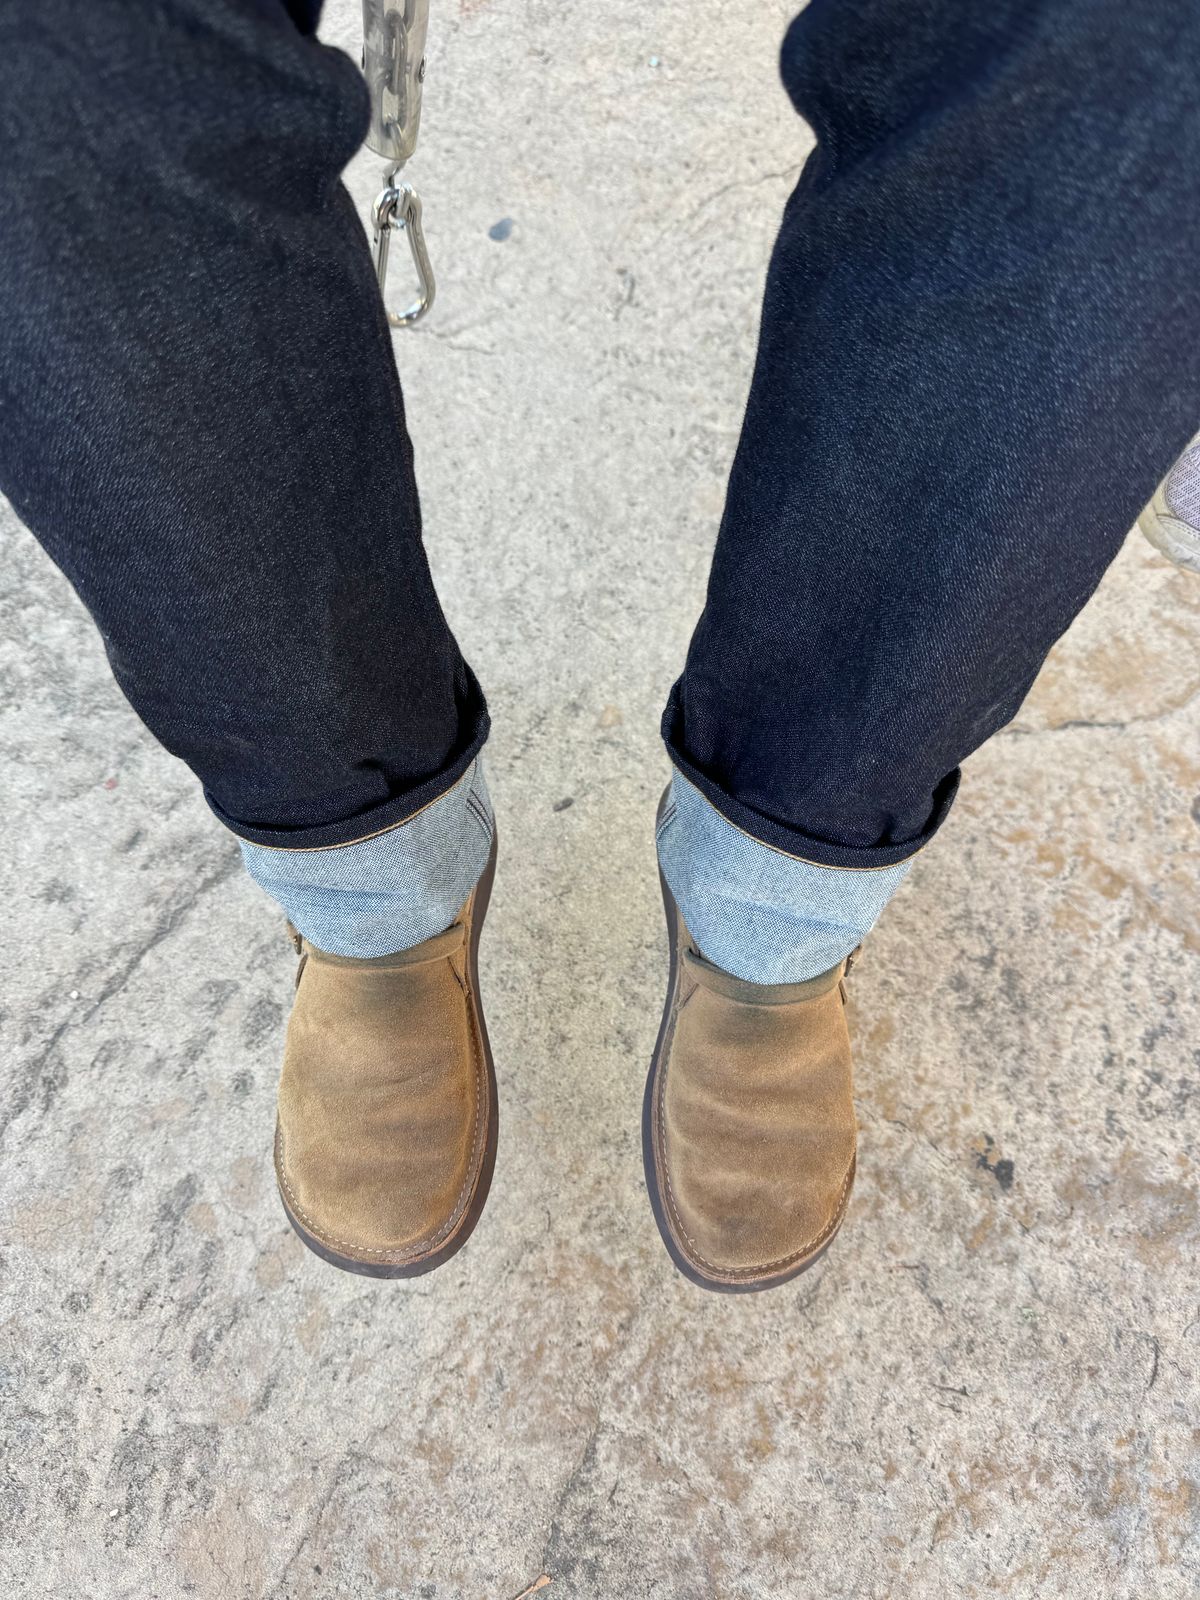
point(386, 1136)
point(748, 1132)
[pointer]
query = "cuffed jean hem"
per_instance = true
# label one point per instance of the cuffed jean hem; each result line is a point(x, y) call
point(794, 841)
point(762, 914)
point(394, 812)
point(392, 890)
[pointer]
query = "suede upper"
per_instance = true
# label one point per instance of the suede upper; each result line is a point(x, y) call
point(383, 1100)
point(754, 1121)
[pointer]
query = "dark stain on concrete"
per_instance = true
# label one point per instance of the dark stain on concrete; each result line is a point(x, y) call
point(1002, 1169)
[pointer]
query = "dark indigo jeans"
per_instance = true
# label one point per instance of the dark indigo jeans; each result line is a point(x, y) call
point(980, 350)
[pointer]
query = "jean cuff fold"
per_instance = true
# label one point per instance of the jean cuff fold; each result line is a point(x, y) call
point(394, 812)
point(755, 911)
point(794, 841)
point(392, 890)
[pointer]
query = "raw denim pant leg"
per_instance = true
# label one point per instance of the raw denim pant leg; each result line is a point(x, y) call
point(979, 353)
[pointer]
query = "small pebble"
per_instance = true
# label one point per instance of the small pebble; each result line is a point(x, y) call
point(501, 230)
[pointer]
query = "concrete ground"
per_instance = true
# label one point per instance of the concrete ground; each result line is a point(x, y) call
point(989, 1385)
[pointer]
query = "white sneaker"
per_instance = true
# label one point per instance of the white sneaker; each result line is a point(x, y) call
point(1171, 521)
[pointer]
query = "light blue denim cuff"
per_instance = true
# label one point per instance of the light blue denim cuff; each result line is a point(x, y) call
point(389, 892)
point(765, 916)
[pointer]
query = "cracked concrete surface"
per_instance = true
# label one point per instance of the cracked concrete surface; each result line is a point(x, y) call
point(989, 1385)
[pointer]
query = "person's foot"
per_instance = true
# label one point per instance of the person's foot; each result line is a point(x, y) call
point(748, 1132)
point(1171, 521)
point(386, 1136)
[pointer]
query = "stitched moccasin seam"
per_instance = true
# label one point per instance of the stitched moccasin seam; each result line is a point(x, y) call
point(438, 948)
point(742, 992)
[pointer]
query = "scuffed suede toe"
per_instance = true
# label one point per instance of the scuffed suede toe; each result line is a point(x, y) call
point(750, 1129)
point(387, 1109)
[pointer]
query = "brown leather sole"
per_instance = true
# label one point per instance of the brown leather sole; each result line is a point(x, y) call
point(466, 1225)
point(652, 1146)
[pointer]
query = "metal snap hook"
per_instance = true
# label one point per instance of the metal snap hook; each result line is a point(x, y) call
point(399, 206)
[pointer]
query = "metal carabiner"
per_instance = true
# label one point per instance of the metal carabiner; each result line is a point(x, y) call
point(399, 206)
point(394, 67)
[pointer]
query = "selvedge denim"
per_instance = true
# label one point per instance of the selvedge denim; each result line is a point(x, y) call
point(756, 911)
point(389, 892)
point(977, 358)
